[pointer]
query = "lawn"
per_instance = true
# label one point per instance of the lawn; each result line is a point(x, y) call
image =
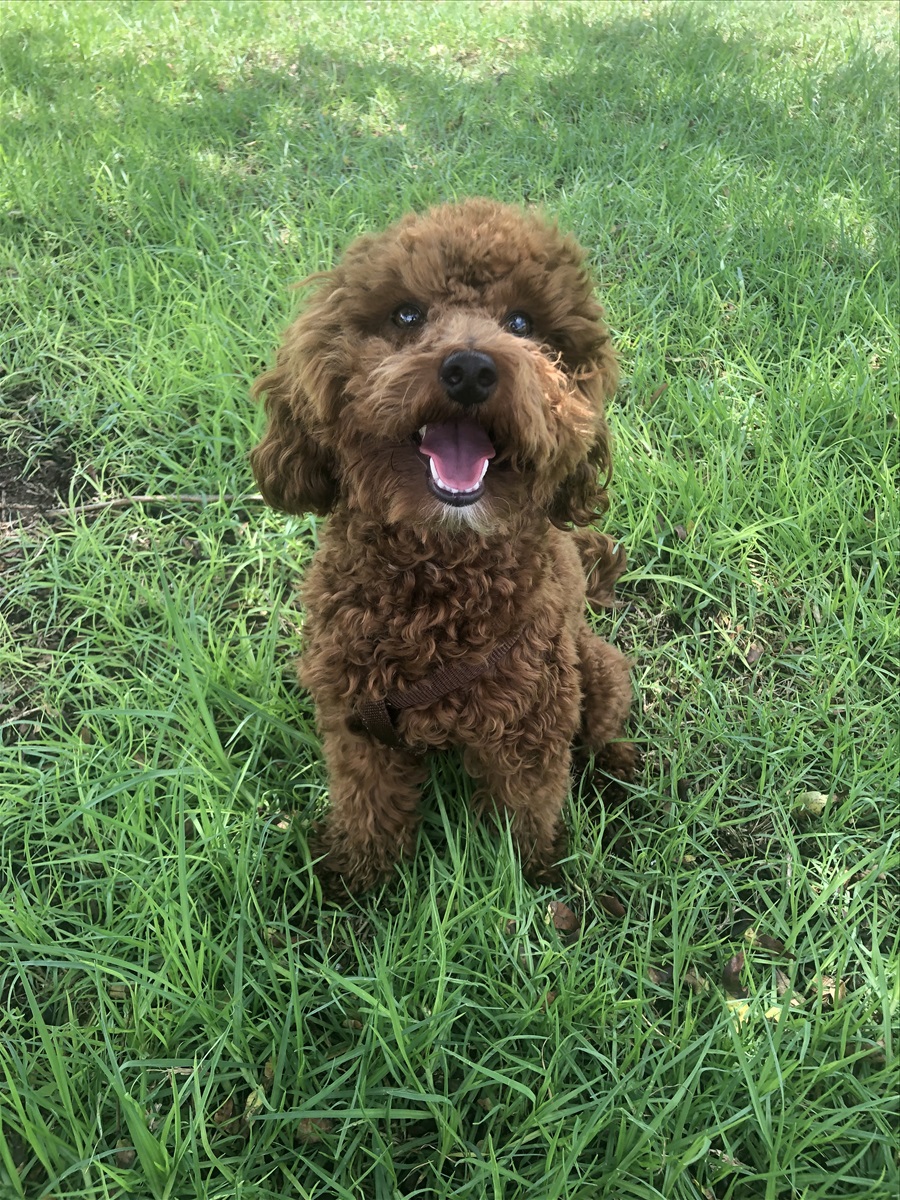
point(181, 1016)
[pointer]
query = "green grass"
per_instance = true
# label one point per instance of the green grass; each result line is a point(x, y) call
point(180, 1016)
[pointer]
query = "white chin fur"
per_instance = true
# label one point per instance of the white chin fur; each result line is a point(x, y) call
point(471, 516)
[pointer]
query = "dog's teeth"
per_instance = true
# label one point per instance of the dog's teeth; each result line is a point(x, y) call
point(437, 479)
point(422, 431)
point(452, 490)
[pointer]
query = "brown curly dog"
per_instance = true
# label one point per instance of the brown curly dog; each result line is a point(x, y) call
point(441, 397)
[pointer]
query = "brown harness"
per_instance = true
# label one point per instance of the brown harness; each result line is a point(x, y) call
point(379, 716)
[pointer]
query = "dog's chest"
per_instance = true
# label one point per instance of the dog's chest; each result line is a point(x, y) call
point(392, 617)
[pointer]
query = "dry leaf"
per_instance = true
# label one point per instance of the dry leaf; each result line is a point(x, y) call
point(830, 989)
point(125, 1154)
point(740, 1011)
point(224, 1112)
point(562, 917)
point(659, 391)
point(732, 1162)
point(310, 1129)
point(731, 976)
point(255, 1103)
point(782, 982)
point(876, 1055)
point(812, 803)
point(659, 977)
point(695, 982)
point(612, 905)
point(764, 942)
point(754, 654)
point(775, 1011)
point(776, 945)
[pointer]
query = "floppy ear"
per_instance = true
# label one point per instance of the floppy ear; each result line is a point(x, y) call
point(295, 471)
point(603, 561)
point(581, 497)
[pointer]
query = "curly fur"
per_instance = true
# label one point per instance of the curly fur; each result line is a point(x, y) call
point(405, 582)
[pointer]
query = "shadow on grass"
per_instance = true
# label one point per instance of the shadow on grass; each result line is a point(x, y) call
point(365, 137)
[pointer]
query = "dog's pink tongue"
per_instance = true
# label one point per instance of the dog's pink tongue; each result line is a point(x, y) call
point(460, 451)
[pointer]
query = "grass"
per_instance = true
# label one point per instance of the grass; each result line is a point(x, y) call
point(181, 1017)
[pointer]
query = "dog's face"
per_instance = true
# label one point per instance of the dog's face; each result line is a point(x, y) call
point(450, 371)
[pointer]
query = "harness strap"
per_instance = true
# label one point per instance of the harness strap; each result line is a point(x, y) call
point(378, 716)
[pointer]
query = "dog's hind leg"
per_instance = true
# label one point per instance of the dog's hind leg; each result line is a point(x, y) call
point(374, 794)
point(606, 700)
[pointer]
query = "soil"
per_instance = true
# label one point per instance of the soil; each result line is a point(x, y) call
point(29, 490)
point(36, 464)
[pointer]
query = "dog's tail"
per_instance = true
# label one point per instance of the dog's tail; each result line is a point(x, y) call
point(603, 560)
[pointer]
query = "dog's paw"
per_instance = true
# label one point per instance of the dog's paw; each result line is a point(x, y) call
point(541, 866)
point(340, 873)
point(604, 772)
point(618, 760)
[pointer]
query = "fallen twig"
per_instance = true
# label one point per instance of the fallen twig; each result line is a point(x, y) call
point(126, 501)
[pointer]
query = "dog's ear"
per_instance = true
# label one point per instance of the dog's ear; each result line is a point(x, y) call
point(581, 497)
point(603, 561)
point(295, 471)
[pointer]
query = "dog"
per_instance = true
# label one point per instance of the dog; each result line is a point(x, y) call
point(441, 400)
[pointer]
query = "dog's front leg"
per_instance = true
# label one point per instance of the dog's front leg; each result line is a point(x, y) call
point(530, 783)
point(606, 699)
point(374, 794)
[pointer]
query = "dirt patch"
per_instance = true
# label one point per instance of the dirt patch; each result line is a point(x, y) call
point(37, 463)
point(29, 487)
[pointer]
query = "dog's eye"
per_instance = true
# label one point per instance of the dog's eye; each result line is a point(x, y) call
point(407, 316)
point(518, 324)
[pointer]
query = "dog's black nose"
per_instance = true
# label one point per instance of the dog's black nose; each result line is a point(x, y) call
point(468, 376)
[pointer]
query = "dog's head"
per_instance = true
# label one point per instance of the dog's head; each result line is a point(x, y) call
point(452, 370)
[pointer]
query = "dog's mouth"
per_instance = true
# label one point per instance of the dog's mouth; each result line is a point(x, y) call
point(458, 454)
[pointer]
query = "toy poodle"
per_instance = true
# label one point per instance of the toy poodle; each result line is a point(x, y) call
point(441, 398)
